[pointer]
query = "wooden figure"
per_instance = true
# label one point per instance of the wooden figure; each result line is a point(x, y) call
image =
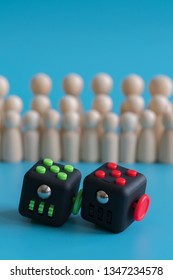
point(132, 85)
point(109, 139)
point(31, 136)
point(72, 84)
point(90, 139)
point(166, 141)
point(128, 137)
point(50, 141)
point(13, 103)
point(41, 84)
point(102, 83)
point(71, 137)
point(68, 104)
point(134, 104)
point(103, 104)
point(161, 85)
point(147, 145)
point(4, 89)
point(159, 105)
point(12, 150)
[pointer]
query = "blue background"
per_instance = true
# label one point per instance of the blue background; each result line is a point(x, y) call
point(58, 37)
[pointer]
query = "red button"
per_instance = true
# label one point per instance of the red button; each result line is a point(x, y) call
point(120, 181)
point(100, 174)
point(116, 173)
point(131, 173)
point(111, 165)
point(141, 207)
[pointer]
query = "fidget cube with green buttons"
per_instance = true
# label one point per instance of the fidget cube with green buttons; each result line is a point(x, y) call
point(48, 192)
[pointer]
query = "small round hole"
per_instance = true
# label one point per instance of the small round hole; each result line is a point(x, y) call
point(102, 197)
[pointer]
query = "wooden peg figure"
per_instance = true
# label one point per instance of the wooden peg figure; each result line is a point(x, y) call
point(128, 137)
point(133, 104)
point(161, 85)
point(31, 136)
point(90, 139)
point(102, 83)
point(109, 139)
point(71, 137)
point(41, 104)
point(50, 142)
point(12, 150)
point(72, 84)
point(41, 84)
point(159, 105)
point(147, 145)
point(132, 85)
point(68, 104)
point(4, 89)
point(13, 103)
point(166, 141)
point(102, 104)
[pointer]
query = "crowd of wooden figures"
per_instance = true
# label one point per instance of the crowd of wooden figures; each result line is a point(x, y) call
point(141, 133)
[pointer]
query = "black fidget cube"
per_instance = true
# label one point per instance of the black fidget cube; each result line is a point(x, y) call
point(111, 195)
point(48, 192)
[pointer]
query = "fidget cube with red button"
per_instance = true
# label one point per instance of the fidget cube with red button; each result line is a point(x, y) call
point(48, 192)
point(114, 196)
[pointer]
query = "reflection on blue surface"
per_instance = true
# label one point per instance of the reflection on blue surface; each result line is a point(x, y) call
point(21, 238)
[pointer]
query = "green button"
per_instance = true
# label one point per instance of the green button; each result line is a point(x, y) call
point(41, 208)
point(51, 210)
point(68, 168)
point(62, 176)
point(54, 169)
point(31, 205)
point(40, 169)
point(48, 161)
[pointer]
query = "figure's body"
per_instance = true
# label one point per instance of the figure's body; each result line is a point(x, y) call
point(50, 141)
point(12, 150)
point(109, 139)
point(71, 137)
point(128, 137)
point(90, 138)
point(147, 146)
point(31, 136)
point(166, 140)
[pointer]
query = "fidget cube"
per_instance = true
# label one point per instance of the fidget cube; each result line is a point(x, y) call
point(114, 196)
point(48, 192)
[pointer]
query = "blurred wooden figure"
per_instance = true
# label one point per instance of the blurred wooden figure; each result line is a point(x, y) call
point(12, 150)
point(4, 89)
point(109, 139)
point(147, 145)
point(68, 104)
point(90, 139)
point(102, 83)
point(50, 141)
point(72, 85)
point(71, 137)
point(160, 85)
point(41, 84)
point(166, 141)
point(128, 137)
point(13, 103)
point(159, 105)
point(31, 136)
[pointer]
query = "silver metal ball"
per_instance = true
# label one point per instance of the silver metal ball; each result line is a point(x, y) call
point(44, 191)
point(102, 197)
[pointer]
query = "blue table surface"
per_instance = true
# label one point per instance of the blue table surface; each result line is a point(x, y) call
point(21, 238)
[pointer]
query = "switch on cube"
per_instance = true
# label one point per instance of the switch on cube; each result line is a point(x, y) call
point(48, 192)
point(114, 197)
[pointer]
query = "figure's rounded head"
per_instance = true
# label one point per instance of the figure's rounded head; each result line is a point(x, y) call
point(41, 84)
point(102, 103)
point(41, 104)
point(4, 86)
point(68, 104)
point(51, 119)
point(147, 119)
point(71, 121)
point(110, 122)
point(91, 119)
point(72, 84)
point(11, 119)
point(134, 104)
point(159, 105)
point(128, 122)
point(14, 103)
point(132, 85)
point(161, 85)
point(31, 120)
point(102, 83)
